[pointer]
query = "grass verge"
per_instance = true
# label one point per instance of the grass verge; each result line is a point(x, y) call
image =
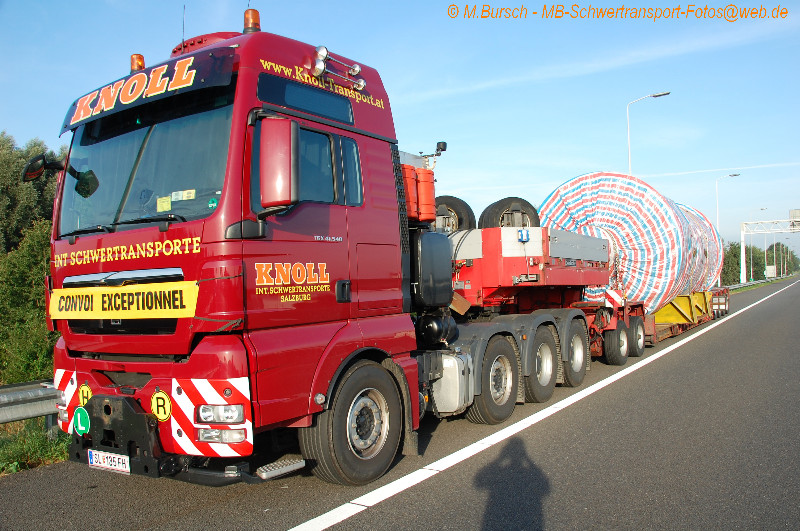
point(25, 445)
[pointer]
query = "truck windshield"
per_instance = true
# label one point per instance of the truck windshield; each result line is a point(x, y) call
point(164, 160)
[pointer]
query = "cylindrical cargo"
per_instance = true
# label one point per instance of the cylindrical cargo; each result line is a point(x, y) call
point(660, 249)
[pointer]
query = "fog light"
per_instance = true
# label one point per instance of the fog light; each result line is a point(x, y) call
point(227, 414)
point(220, 436)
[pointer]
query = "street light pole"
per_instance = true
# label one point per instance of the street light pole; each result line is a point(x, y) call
point(716, 185)
point(765, 256)
point(751, 250)
point(628, 116)
point(785, 255)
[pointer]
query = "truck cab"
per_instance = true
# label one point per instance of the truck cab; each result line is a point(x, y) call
point(228, 240)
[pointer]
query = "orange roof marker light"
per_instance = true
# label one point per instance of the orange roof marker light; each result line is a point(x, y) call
point(252, 21)
point(137, 62)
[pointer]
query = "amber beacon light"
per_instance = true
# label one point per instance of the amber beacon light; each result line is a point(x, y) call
point(252, 21)
point(137, 62)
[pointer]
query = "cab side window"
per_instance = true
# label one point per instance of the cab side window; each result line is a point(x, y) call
point(353, 189)
point(316, 167)
point(330, 170)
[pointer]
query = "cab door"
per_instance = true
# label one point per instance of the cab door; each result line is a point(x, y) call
point(297, 281)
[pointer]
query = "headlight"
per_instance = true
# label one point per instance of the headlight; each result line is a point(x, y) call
point(227, 414)
point(220, 436)
point(61, 406)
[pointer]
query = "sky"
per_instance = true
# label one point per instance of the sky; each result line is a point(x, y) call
point(523, 104)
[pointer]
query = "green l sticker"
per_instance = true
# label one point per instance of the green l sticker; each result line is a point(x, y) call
point(80, 421)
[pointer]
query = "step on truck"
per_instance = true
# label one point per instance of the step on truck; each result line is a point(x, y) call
point(240, 249)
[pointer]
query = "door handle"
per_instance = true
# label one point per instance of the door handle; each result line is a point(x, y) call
point(342, 291)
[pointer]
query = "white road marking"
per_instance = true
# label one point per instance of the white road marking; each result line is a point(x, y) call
point(345, 511)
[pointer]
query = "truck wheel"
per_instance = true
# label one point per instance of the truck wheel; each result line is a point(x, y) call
point(461, 215)
point(356, 439)
point(498, 384)
point(636, 336)
point(540, 384)
point(577, 345)
point(494, 214)
point(615, 344)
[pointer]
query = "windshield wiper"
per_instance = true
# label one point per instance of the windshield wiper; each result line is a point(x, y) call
point(152, 219)
point(88, 230)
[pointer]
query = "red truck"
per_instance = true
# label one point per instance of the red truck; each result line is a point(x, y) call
point(238, 248)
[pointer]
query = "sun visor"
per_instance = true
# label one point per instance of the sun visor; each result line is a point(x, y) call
point(209, 68)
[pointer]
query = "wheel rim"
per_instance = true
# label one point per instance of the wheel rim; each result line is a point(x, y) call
point(506, 214)
point(500, 380)
point(452, 221)
point(623, 343)
point(640, 337)
point(544, 364)
point(577, 353)
point(367, 423)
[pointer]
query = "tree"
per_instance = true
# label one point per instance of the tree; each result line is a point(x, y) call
point(732, 259)
point(780, 255)
point(22, 203)
point(26, 346)
point(730, 264)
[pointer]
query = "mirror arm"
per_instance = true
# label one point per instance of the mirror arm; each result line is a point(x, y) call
point(272, 211)
point(57, 165)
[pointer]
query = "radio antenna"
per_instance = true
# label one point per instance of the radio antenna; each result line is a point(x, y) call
point(183, 30)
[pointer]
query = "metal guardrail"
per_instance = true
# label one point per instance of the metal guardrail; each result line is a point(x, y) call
point(28, 400)
point(755, 282)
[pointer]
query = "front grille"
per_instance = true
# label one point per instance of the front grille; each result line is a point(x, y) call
point(123, 326)
point(161, 326)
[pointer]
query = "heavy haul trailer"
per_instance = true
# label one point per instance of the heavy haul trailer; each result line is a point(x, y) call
point(685, 312)
point(232, 255)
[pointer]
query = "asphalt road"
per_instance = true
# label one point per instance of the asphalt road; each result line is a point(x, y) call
point(706, 436)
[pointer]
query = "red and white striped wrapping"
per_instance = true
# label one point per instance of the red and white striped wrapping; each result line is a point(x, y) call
point(183, 424)
point(707, 267)
point(178, 435)
point(660, 249)
point(64, 382)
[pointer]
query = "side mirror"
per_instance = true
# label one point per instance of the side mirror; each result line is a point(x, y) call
point(279, 163)
point(87, 183)
point(36, 166)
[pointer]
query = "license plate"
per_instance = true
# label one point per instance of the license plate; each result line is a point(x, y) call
point(108, 461)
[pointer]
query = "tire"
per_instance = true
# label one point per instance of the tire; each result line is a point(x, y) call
point(540, 384)
point(636, 337)
point(616, 344)
point(499, 383)
point(355, 441)
point(492, 216)
point(577, 347)
point(461, 215)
